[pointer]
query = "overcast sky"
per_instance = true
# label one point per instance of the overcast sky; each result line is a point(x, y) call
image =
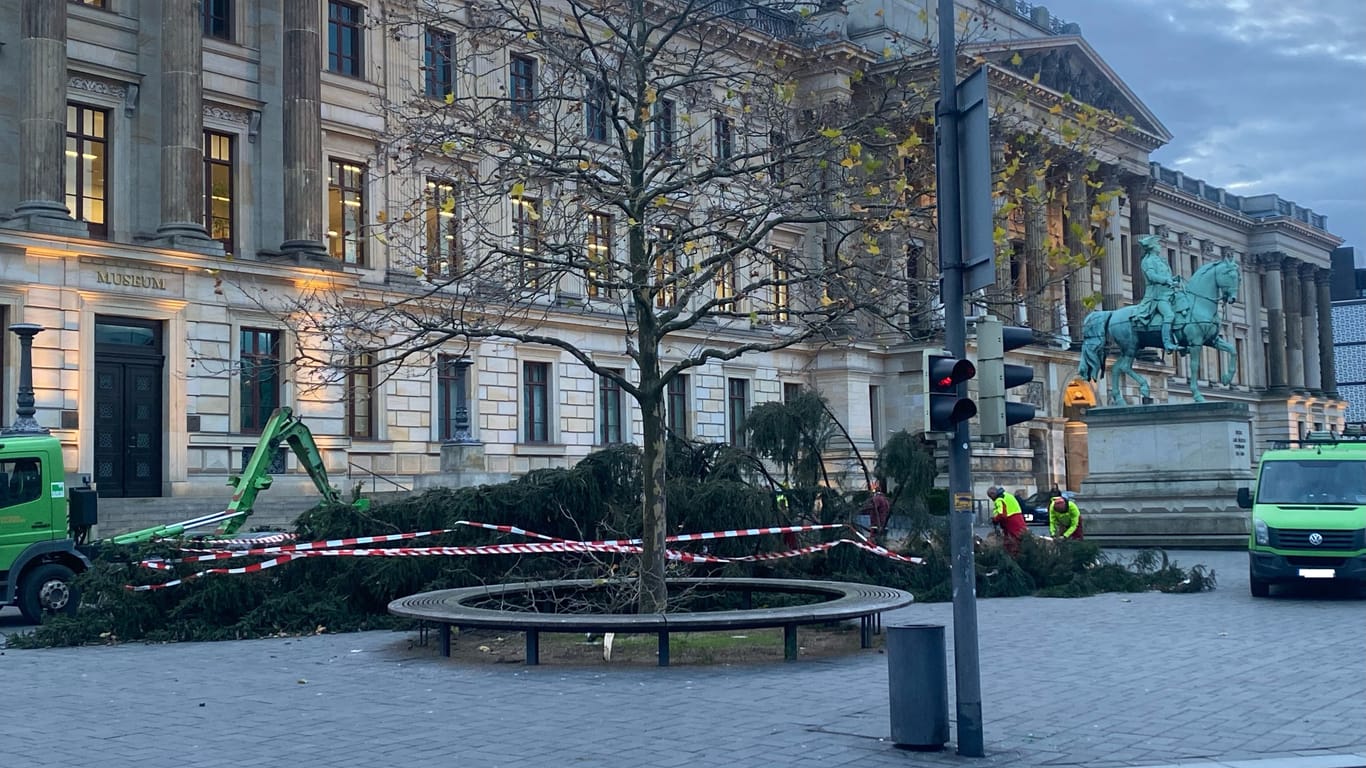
point(1260, 95)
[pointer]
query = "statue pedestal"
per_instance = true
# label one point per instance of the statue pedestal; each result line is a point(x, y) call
point(1167, 475)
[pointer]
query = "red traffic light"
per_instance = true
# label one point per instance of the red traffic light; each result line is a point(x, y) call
point(946, 373)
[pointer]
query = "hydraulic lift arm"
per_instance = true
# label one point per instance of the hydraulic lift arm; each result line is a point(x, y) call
point(283, 427)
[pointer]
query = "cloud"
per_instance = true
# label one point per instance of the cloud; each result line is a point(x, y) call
point(1261, 95)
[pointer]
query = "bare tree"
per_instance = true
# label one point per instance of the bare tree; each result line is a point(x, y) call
point(717, 175)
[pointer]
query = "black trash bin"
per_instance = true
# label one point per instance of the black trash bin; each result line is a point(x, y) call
point(918, 681)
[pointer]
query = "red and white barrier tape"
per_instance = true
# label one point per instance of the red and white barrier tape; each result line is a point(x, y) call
point(346, 548)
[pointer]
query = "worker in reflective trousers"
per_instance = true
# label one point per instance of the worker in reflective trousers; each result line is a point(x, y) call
point(1064, 519)
point(1006, 513)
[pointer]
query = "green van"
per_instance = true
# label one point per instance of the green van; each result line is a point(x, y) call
point(1308, 512)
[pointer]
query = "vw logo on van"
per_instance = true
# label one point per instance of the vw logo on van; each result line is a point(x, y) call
point(1316, 538)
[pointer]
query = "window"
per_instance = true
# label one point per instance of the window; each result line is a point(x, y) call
point(1171, 260)
point(536, 402)
point(1240, 375)
point(526, 237)
point(609, 409)
point(737, 407)
point(522, 88)
point(360, 397)
point(24, 481)
point(664, 126)
point(595, 110)
point(724, 282)
point(723, 139)
point(344, 22)
point(438, 69)
point(791, 390)
point(598, 249)
point(676, 406)
point(346, 211)
point(87, 166)
point(443, 228)
point(782, 294)
point(453, 399)
point(218, 188)
point(666, 266)
point(777, 144)
point(217, 19)
point(91, 3)
point(1125, 264)
point(260, 379)
point(875, 414)
point(1195, 263)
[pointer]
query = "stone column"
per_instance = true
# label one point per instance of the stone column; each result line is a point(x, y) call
point(42, 120)
point(1328, 373)
point(303, 132)
point(1275, 321)
point(1309, 318)
point(182, 128)
point(1140, 188)
point(1112, 263)
point(1294, 325)
point(1036, 253)
point(1078, 226)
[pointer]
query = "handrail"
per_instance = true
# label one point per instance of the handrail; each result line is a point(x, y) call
point(372, 474)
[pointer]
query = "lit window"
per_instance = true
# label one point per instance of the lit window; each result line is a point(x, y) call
point(666, 266)
point(360, 397)
point(346, 211)
point(598, 249)
point(443, 228)
point(87, 166)
point(218, 188)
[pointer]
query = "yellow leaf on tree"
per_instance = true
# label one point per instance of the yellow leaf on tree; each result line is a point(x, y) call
point(1056, 109)
point(831, 133)
point(632, 134)
point(448, 146)
point(448, 205)
point(584, 165)
point(532, 34)
point(855, 149)
point(847, 162)
point(419, 271)
point(650, 95)
point(381, 217)
point(518, 188)
point(450, 98)
point(689, 246)
point(1015, 60)
point(873, 250)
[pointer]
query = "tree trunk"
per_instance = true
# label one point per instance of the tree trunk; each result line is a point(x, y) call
point(654, 592)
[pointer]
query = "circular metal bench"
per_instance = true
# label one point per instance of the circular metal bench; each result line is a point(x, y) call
point(843, 600)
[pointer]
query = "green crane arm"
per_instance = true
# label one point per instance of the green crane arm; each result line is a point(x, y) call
point(283, 427)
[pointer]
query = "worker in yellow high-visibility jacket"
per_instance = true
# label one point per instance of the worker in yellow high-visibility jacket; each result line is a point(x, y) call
point(1006, 512)
point(1064, 519)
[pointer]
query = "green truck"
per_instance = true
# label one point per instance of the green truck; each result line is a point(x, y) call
point(1308, 512)
point(45, 527)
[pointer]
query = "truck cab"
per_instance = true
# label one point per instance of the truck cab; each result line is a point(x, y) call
point(38, 555)
point(1308, 512)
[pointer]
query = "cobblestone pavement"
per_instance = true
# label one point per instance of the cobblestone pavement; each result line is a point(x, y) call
point(1111, 680)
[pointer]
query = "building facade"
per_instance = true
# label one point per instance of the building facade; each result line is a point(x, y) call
point(175, 168)
point(1349, 332)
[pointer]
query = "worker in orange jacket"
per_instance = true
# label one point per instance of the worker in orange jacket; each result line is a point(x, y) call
point(1006, 513)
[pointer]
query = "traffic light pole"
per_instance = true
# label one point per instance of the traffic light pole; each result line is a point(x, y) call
point(967, 674)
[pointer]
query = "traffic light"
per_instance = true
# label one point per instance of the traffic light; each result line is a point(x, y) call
point(993, 342)
point(942, 374)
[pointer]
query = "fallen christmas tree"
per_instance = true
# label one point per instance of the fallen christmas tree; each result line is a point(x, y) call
point(715, 488)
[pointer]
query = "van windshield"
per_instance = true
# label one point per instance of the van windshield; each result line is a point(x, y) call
point(1312, 482)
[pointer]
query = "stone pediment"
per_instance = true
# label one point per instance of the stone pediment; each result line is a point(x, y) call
point(1068, 65)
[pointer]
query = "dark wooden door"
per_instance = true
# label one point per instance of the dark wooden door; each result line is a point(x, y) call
point(128, 428)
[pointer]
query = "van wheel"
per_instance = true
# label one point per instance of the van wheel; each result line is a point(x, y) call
point(1260, 588)
point(48, 589)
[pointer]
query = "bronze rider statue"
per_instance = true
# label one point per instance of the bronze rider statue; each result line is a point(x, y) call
point(1161, 285)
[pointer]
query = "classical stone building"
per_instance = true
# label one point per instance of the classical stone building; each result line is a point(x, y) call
point(157, 152)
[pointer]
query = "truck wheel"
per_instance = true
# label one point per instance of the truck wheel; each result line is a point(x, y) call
point(1260, 588)
point(48, 589)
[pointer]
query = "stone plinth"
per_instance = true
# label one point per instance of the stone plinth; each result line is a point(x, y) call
point(1167, 475)
point(462, 465)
